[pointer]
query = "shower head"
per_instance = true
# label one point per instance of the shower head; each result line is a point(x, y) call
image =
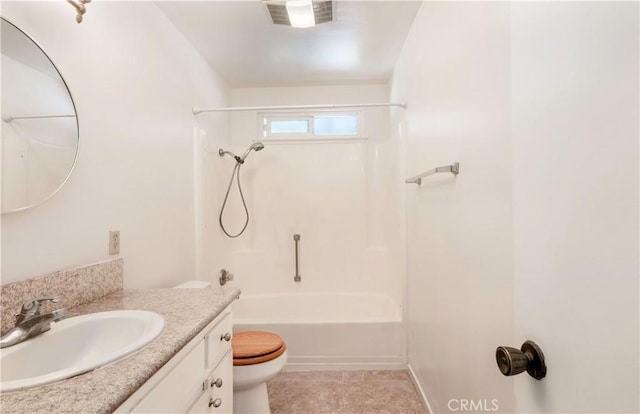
point(256, 146)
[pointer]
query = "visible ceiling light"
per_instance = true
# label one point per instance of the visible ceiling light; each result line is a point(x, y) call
point(300, 13)
point(322, 11)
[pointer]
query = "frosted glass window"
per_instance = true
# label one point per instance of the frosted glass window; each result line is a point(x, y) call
point(335, 125)
point(293, 126)
point(310, 126)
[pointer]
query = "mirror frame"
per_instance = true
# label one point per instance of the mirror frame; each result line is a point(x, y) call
point(75, 109)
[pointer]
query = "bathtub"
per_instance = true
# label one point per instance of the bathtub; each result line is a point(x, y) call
point(328, 331)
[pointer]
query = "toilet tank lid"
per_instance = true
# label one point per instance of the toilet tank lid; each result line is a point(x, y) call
point(193, 284)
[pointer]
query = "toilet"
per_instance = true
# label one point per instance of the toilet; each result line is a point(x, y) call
point(258, 356)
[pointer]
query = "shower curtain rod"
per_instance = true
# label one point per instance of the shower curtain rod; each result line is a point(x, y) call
point(11, 117)
point(197, 110)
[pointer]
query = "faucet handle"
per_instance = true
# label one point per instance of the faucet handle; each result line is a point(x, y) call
point(225, 276)
point(31, 307)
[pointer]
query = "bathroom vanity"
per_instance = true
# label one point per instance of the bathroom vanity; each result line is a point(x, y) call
point(198, 379)
point(187, 368)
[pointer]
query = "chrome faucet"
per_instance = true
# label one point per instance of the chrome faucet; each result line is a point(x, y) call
point(30, 322)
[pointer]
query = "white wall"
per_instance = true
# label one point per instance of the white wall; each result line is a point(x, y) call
point(454, 75)
point(575, 200)
point(537, 238)
point(335, 195)
point(134, 79)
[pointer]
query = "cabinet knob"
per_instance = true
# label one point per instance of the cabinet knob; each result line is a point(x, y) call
point(217, 383)
point(513, 361)
point(225, 337)
point(215, 403)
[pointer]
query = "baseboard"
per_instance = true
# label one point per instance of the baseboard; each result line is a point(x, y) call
point(421, 393)
point(344, 366)
point(346, 363)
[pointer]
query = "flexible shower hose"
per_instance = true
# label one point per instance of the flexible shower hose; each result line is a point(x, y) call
point(236, 173)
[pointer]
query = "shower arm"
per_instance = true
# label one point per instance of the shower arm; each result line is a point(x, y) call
point(238, 159)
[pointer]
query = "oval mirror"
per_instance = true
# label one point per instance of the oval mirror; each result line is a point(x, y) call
point(39, 123)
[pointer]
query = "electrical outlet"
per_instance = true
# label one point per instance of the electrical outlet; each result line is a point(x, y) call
point(114, 242)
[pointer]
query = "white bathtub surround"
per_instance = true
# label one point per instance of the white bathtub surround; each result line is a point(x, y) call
point(335, 194)
point(328, 331)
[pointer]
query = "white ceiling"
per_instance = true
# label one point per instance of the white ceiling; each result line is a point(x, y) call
point(241, 43)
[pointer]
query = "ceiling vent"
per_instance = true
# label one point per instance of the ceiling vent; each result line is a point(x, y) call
point(322, 11)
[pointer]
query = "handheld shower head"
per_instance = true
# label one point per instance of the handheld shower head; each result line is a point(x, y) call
point(256, 146)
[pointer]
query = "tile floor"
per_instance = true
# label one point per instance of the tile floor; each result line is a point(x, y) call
point(390, 392)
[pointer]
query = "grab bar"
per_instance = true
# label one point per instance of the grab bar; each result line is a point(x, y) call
point(297, 277)
point(453, 169)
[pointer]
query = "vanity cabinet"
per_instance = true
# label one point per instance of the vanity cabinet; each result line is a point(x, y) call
point(198, 379)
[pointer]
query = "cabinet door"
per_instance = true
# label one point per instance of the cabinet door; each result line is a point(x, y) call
point(218, 398)
point(224, 373)
point(178, 389)
point(202, 405)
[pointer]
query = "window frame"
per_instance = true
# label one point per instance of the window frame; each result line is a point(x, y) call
point(264, 120)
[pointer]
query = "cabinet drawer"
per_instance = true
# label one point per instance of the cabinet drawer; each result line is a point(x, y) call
point(219, 341)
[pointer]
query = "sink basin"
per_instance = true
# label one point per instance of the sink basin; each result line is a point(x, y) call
point(76, 345)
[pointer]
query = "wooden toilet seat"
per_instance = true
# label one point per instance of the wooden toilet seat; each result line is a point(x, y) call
point(256, 347)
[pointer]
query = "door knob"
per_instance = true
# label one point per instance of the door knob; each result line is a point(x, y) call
point(513, 361)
